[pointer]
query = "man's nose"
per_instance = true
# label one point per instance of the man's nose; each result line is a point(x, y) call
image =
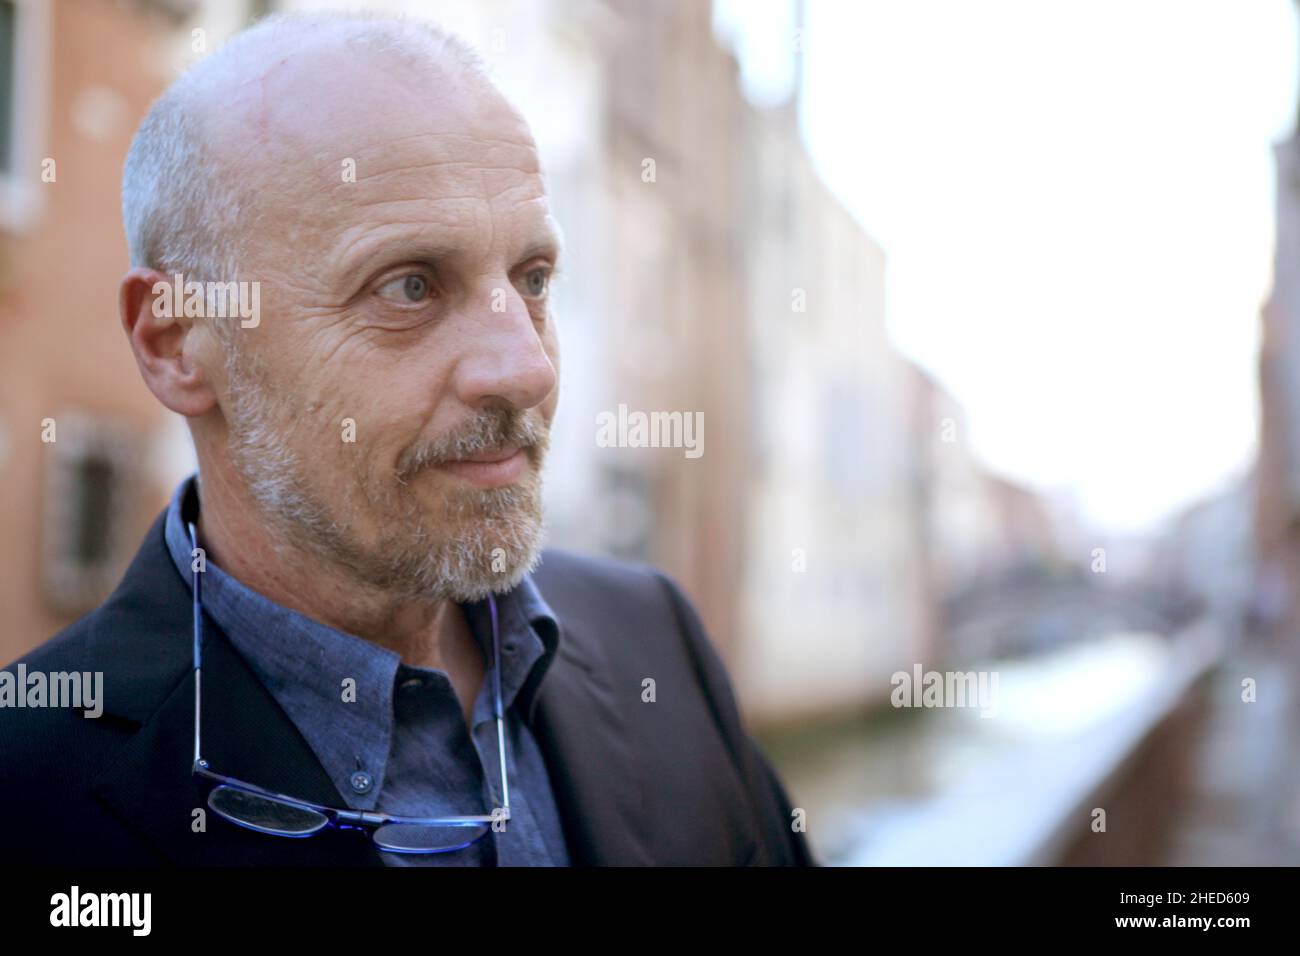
point(505, 358)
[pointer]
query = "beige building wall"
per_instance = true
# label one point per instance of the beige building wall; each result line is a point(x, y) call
point(834, 594)
point(1277, 504)
point(962, 527)
point(675, 100)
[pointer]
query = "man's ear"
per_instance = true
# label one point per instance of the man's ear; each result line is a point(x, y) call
point(165, 342)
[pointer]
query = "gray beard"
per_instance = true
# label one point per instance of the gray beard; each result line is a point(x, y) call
point(476, 541)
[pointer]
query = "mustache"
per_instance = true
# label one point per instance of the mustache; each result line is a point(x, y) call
point(493, 429)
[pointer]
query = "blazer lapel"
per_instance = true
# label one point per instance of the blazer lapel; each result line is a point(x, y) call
point(583, 737)
point(144, 647)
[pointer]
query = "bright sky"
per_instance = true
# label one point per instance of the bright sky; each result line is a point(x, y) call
point(1076, 201)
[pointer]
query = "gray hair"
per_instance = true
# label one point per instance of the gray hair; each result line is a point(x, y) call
point(181, 214)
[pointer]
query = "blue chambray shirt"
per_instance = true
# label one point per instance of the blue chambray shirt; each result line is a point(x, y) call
point(402, 745)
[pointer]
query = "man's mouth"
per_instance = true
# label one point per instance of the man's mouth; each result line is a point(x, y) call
point(489, 468)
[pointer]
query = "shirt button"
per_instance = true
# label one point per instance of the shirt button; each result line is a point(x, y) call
point(362, 782)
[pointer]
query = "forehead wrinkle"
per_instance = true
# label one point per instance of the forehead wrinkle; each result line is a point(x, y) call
point(354, 242)
point(402, 200)
point(526, 162)
point(408, 185)
point(376, 178)
point(370, 179)
point(523, 143)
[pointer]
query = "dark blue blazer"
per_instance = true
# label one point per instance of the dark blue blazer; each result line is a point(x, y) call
point(675, 782)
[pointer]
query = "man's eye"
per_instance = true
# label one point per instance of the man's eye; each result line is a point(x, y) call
point(536, 282)
point(408, 288)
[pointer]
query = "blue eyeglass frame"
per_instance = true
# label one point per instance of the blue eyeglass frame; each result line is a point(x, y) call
point(334, 817)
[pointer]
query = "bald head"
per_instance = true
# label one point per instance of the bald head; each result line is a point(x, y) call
point(195, 180)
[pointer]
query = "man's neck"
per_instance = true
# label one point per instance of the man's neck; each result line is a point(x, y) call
point(240, 541)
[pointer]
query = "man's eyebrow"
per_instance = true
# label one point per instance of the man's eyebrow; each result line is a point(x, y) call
point(361, 258)
point(544, 249)
point(550, 246)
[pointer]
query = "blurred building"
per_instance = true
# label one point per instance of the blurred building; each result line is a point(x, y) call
point(960, 530)
point(833, 592)
point(1206, 560)
point(986, 541)
point(84, 448)
point(1277, 509)
point(678, 306)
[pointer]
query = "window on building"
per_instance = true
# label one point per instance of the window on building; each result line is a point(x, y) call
point(8, 82)
point(90, 486)
point(24, 67)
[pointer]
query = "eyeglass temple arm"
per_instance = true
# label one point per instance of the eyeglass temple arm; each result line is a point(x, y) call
point(496, 682)
point(198, 647)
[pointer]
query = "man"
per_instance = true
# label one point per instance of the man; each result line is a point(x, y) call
point(368, 366)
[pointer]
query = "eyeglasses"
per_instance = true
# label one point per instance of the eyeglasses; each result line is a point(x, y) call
point(266, 811)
